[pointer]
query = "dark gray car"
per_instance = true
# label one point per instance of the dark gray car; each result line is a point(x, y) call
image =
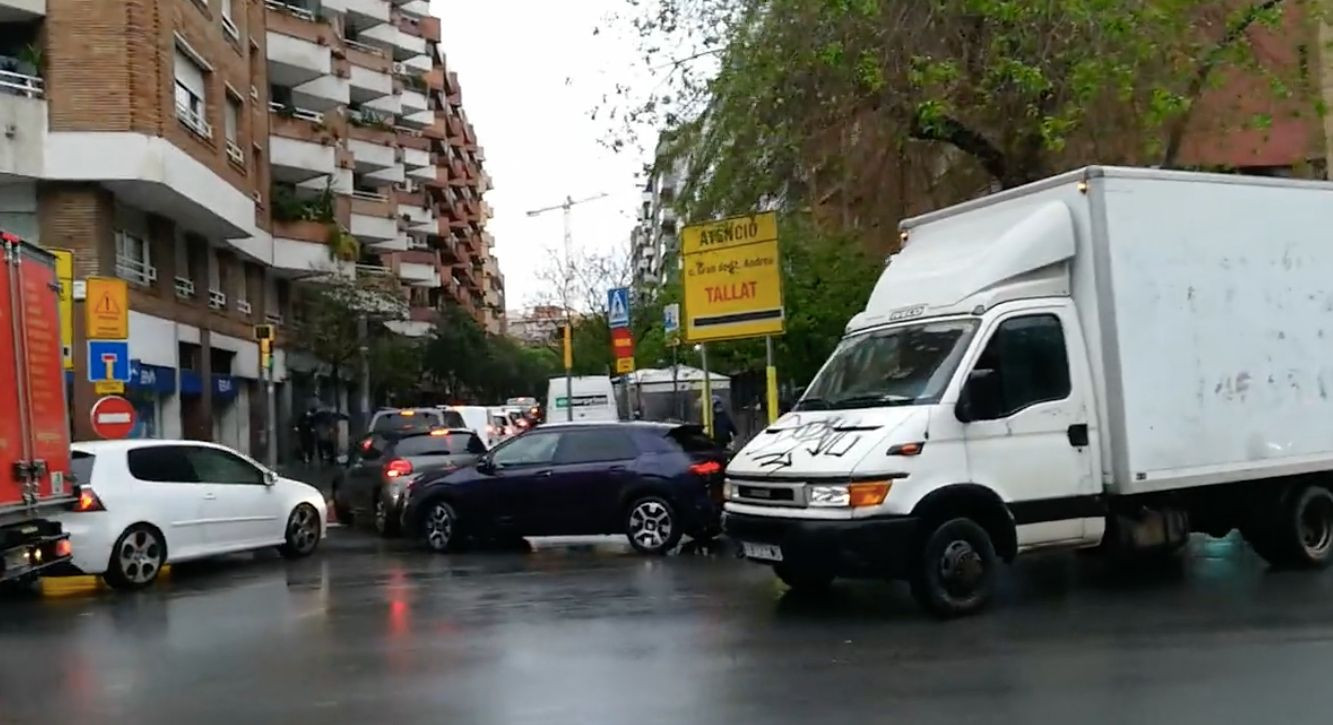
point(382, 466)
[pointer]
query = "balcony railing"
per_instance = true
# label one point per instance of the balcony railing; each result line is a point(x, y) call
point(294, 112)
point(135, 271)
point(363, 47)
point(184, 288)
point(21, 84)
point(193, 121)
point(293, 10)
point(217, 299)
point(368, 195)
point(372, 270)
point(243, 307)
point(230, 26)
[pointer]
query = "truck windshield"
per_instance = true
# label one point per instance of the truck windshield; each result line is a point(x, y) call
point(908, 365)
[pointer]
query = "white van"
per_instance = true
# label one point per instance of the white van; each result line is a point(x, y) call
point(593, 399)
point(477, 418)
point(1113, 357)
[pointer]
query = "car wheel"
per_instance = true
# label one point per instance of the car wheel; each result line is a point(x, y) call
point(651, 525)
point(385, 525)
point(302, 532)
point(440, 527)
point(137, 558)
point(804, 579)
point(955, 570)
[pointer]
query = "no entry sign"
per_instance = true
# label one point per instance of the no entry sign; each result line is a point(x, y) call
point(113, 417)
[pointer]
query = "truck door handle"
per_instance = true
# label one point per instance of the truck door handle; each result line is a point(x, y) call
point(1078, 435)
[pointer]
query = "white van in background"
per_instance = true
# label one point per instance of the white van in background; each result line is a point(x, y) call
point(593, 399)
point(477, 418)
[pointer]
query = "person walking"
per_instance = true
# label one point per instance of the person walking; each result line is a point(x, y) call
point(724, 430)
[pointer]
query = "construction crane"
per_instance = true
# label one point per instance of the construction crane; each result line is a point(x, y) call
point(565, 207)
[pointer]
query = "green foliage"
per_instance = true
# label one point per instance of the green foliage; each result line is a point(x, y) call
point(287, 206)
point(470, 365)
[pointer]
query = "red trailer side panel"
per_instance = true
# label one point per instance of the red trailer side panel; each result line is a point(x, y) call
point(49, 430)
point(11, 427)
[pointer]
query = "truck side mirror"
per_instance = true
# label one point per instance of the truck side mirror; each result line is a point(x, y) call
point(980, 399)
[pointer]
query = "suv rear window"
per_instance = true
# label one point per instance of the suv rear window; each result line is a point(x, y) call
point(452, 419)
point(453, 444)
point(692, 439)
point(417, 420)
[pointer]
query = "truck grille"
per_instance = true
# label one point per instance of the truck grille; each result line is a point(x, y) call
point(769, 493)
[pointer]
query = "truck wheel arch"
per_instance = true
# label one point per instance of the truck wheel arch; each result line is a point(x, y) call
point(975, 502)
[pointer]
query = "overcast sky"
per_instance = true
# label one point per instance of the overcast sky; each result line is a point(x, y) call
point(513, 58)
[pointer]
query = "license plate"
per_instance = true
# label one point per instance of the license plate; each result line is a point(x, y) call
point(762, 552)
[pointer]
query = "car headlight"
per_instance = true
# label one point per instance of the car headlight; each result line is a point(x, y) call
point(855, 495)
point(728, 491)
point(829, 496)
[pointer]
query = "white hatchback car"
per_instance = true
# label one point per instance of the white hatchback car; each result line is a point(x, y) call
point(145, 503)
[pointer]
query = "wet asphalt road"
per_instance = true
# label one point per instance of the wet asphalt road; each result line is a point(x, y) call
point(587, 632)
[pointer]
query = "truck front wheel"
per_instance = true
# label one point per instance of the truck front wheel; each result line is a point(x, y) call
point(955, 568)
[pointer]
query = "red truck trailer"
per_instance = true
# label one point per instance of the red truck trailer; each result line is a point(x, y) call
point(35, 476)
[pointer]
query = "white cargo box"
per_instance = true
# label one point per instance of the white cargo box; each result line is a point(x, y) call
point(1206, 301)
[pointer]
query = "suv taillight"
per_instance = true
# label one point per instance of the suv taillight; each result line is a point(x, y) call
point(706, 468)
point(397, 468)
point(88, 501)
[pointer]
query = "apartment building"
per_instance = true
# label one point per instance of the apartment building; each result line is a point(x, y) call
point(654, 241)
point(215, 154)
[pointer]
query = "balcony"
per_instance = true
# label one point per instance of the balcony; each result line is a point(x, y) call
point(361, 13)
point(371, 156)
point(412, 101)
point(296, 160)
point(298, 45)
point(392, 175)
point(419, 218)
point(389, 105)
point(369, 84)
point(23, 114)
point(394, 41)
point(419, 275)
point(303, 258)
point(419, 8)
point(416, 159)
point(21, 11)
point(323, 94)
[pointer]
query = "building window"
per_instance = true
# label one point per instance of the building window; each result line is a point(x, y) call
point(133, 261)
point(231, 120)
point(191, 100)
point(228, 24)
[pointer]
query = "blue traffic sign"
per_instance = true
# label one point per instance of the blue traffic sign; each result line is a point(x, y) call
point(617, 307)
point(109, 361)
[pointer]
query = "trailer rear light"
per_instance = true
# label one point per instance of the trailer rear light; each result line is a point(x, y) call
point(88, 501)
point(707, 468)
point(398, 468)
point(64, 549)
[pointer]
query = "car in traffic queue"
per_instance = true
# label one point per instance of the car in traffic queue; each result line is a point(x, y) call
point(408, 420)
point(146, 503)
point(652, 482)
point(381, 467)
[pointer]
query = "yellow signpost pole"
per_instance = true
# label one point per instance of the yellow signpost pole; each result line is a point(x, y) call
point(772, 382)
point(708, 391)
point(569, 368)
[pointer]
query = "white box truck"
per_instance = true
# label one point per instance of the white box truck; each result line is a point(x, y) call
point(1110, 357)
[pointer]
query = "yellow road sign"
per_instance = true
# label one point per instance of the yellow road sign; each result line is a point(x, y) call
point(109, 387)
point(624, 365)
point(733, 279)
point(107, 309)
point(65, 275)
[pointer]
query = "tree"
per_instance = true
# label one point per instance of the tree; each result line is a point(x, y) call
point(867, 110)
point(332, 312)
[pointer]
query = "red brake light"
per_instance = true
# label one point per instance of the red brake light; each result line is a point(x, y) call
point(707, 468)
point(398, 467)
point(64, 548)
point(365, 444)
point(88, 501)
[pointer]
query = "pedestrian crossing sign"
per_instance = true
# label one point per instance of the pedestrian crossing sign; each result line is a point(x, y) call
point(617, 307)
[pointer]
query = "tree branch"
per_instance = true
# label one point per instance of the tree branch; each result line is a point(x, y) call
point(1176, 135)
point(952, 131)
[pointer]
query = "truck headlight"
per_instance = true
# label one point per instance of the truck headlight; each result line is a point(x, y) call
point(728, 491)
point(829, 496)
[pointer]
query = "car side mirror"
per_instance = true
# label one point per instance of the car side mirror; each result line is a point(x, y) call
point(270, 478)
point(486, 465)
point(980, 399)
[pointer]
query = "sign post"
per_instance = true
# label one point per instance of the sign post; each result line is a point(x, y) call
point(264, 334)
point(569, 368)
point(671, 331)
point(65, 275)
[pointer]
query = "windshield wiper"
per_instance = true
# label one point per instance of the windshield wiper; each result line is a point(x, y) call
point(872, 399)
point(812, 404)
